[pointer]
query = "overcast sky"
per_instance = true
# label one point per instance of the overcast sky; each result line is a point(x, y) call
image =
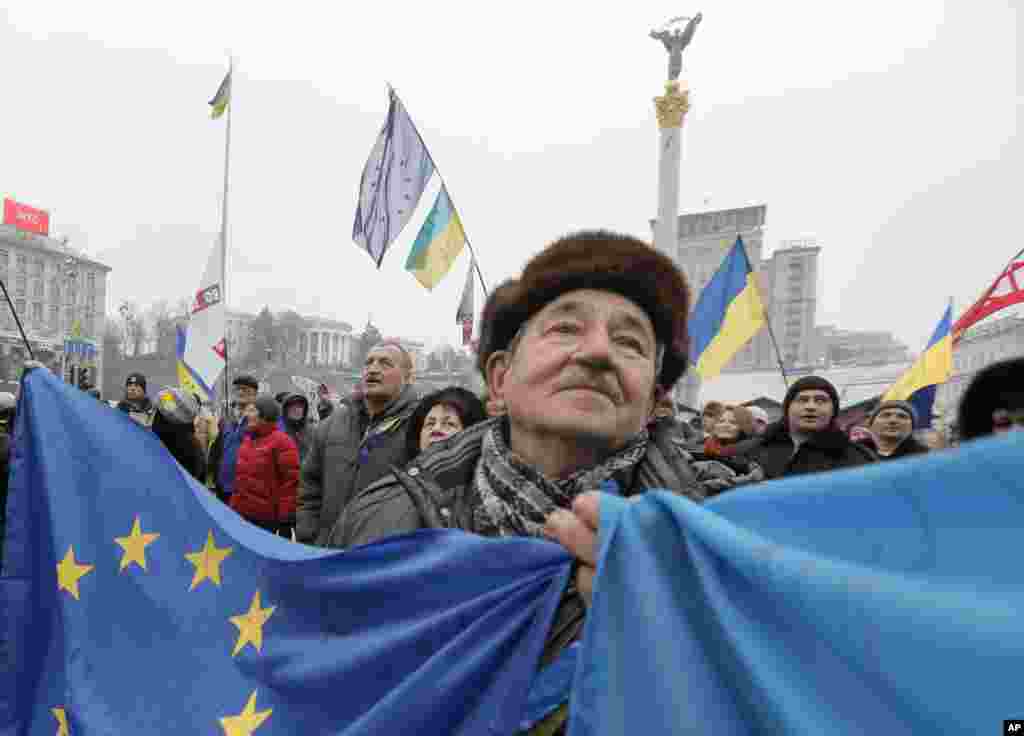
point(889, 131)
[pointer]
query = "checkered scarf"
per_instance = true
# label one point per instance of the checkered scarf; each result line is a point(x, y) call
point(515, 499)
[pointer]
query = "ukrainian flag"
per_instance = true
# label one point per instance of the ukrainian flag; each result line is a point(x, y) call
point(222, 99)
point(186, 378)
point(728, 314)
point(933, 367)
point(438, 243)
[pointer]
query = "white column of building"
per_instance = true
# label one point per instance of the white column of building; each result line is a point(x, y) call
point(671, 110)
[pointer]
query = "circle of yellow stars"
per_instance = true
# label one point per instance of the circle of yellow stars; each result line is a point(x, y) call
point(206, 561)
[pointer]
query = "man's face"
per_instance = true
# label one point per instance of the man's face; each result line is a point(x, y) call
point(727, 428)
point(296, 411)
point(664, 408)
point(246, 394)
point(383, 376)
point(134, 392)
point(251, 416)
point(810, 411)
point(584, 369)
point(894, 425)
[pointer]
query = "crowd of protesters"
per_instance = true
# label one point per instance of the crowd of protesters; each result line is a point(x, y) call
point(579, 354)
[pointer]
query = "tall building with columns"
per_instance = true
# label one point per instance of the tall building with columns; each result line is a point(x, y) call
point(60, 296)
point(326, 343)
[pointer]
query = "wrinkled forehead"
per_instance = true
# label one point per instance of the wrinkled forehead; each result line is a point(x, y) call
point(385, 352)
point(600, 305)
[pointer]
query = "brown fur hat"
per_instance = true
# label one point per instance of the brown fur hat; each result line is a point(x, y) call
point(594, 259)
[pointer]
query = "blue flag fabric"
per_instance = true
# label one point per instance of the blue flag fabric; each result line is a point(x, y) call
point(883, 600)
point(394, 177)
point(132, 601)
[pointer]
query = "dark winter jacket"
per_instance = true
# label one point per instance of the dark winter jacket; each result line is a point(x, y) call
point(435, 491)
point(267, 476)
point(830, 449)
point(299, 431)
point(143, 405)
point(180, 440)
point(910, 446)
point(5, 469)
point(349, 451)
point(233, 435)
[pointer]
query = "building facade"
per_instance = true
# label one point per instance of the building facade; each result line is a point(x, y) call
point(790, 289)
point(60, 296)
point(326, 342)
point(838, 347)
point(990, 342)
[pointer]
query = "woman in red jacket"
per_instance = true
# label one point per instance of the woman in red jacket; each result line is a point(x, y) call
point(267, 475)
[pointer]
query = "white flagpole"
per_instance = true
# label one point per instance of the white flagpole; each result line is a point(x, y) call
point(224, 227)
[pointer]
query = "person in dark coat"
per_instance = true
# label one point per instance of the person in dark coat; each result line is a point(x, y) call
point(993, 402)
point(806, 439)
point(135, 402)
point(246, 388)
point(8, 404)
point(892, 425)
point(357, 445)
point(295, 421)
point(440, 415)
point(174, 424)
point(267, 474)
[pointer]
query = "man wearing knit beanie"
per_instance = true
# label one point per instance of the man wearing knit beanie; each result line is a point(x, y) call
point(892, 425)
point(806, 439)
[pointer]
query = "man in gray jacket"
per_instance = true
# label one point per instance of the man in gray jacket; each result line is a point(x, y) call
point(357, 444)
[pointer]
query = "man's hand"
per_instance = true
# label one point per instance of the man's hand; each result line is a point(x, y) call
point(577, 532)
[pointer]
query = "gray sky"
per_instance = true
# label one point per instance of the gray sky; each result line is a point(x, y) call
point(889, 131)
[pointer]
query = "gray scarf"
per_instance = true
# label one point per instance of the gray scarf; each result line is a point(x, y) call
point(515, 499)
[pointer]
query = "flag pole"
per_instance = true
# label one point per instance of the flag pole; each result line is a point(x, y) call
point(476, 261)
point(224, 226)
point(767, 321)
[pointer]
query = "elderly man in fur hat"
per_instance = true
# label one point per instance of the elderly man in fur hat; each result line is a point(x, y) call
point(577, 350)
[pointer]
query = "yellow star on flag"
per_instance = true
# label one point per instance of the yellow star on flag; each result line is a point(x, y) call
point(247, 721)
point(134, 546)
point(62, 721)
point(250, 625)
point(69, 572)
point(207, 561)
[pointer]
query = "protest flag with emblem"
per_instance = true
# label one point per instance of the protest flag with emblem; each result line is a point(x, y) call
point(204, 355)
point(393, 180)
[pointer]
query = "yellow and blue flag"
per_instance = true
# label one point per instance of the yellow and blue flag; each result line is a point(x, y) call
point(438, 244)
point(133, 601)
point(933, 368)
point(187, 378)
point(728, 314)
point(394, 177)
point(222, 99)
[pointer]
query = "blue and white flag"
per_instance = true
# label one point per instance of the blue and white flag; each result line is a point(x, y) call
point(883, 600)
point(395, 175)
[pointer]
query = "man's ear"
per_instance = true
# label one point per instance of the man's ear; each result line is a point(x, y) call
point(496, 372)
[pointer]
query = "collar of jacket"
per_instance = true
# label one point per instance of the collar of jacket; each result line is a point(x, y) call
point(407, 397)
point(263, 430)
point(829, 440)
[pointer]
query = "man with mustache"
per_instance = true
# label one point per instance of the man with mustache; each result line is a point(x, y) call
point(806, 439)
point(577, 349)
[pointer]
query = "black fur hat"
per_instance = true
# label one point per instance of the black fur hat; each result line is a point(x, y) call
point(594, 259)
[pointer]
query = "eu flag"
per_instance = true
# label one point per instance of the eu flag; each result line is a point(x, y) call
point(394, 177)
point(132, 601)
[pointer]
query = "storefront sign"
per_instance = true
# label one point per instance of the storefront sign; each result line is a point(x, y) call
point(26, 218)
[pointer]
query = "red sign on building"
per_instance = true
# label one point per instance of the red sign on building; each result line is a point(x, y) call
point(26, 218)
